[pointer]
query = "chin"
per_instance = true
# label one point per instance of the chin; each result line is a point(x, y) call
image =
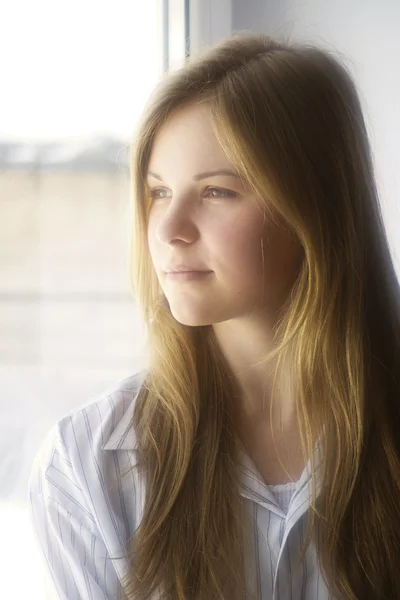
point(192, 319)
point(189, 322)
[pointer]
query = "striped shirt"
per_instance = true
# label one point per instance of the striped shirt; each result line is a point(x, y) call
point(86, 501)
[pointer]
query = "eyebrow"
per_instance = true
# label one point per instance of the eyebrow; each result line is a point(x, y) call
point(200, 176)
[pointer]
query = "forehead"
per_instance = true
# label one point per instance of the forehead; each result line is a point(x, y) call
point(187, 140)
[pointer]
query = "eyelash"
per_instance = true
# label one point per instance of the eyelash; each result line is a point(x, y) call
point(223, 193)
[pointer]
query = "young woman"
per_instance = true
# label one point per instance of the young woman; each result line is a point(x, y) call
point(258, 456)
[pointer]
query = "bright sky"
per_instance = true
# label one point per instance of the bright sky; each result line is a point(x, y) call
point(78, 67)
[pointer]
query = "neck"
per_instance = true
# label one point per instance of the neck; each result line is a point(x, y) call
point(244, 344)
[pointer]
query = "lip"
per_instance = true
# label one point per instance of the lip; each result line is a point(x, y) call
point(187, 275)
point(185, 269)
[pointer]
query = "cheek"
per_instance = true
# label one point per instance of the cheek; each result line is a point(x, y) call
point(152, 242)
point(282, 260)
point(254, 255)
point(238, 246)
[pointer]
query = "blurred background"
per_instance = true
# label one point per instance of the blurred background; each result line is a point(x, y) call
point(74, 79)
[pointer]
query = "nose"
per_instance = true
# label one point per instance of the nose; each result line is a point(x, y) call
point(177, 224)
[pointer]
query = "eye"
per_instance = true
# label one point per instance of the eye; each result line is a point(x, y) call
point(214, 192)
point(158, 193)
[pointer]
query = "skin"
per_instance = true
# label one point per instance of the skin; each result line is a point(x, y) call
point(214, 223)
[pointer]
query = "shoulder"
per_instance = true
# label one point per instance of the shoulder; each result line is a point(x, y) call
point(85, 500)
point(104, 424)
point(75, 459)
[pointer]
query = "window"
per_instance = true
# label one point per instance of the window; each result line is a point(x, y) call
point(74, 82)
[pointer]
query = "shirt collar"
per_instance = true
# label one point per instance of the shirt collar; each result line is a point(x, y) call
point(123, 436)
point(254, 488)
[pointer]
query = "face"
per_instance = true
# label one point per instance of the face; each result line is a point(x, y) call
point(203, 217)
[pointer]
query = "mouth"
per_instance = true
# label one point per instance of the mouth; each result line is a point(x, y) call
point(187, 275)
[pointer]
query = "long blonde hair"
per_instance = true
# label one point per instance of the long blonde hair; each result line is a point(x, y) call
point(289, 118)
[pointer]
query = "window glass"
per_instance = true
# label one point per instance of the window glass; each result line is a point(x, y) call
point(75, 77)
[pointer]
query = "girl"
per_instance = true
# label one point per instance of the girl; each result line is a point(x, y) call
point(258, 456)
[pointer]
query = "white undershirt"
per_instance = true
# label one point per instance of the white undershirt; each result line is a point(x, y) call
point(283, 494)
